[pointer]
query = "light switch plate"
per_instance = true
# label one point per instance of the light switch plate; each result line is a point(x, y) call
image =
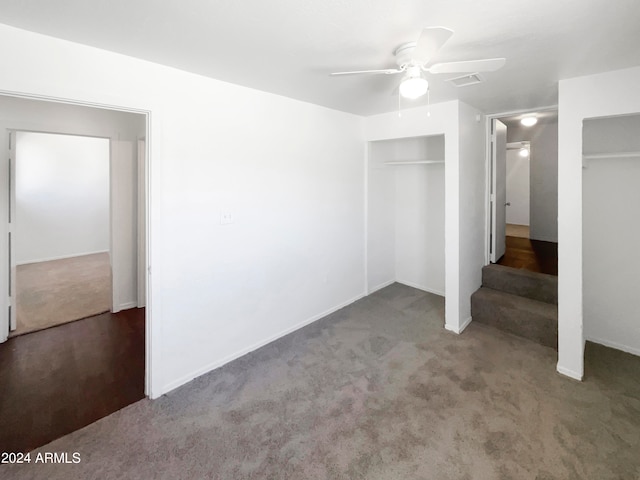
point(226, 218)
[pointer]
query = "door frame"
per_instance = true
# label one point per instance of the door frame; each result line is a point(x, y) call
point(489, 174)
point(498, 201)
point(32, 125)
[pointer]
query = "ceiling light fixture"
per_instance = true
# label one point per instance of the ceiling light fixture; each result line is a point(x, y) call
point(529, 121)
point(413, 85)
point(523, 152)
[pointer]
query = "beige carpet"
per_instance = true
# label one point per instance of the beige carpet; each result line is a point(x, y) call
point(521, 231)
point(61, 291)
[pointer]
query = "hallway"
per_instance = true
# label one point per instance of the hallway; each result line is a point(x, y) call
point(532, 255)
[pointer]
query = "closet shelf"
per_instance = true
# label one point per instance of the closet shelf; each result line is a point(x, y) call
point(413, 162)
point(595, 156)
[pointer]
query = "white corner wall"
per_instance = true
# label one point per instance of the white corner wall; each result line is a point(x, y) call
point(381, 201)
point(472, 196)
point(62, 196)
point(290, 173)
point(605, 94)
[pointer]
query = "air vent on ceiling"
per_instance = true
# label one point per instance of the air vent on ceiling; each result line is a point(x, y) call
point(466, 80)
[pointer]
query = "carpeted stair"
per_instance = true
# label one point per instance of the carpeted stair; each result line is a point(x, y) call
point(519, 302)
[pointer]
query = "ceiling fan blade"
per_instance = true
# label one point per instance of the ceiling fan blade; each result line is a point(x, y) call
point(387, 71)
point(486, 65)
point(431, 40)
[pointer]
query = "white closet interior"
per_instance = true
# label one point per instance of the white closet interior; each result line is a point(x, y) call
point(405, 202)
point(611, 231)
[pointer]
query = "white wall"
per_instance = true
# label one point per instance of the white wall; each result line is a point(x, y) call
point(472, 218)
point(381, 216)
point(517, 188)
point(543, 175)
point(611, 229)
point(62, 196)
point(291, 174)
point(605, 94)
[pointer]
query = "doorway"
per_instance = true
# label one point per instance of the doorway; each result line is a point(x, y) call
point(60, 218)
point(523, 191)
point(59, 379)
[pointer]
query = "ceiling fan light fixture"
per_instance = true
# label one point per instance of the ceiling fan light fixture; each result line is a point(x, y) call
point(529, 121)
point(414, 87)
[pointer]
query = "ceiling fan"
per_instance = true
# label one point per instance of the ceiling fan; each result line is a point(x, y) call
point(412, 60)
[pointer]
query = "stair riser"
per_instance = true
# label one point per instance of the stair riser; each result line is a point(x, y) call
point(525, 318)
point(535, 286)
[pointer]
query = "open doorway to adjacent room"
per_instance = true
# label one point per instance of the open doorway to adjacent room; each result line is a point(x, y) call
point(524, 191)
point(73, 259)
point(60, 217)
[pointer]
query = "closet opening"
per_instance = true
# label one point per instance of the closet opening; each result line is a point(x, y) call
point(405, 214)
point(610, 232)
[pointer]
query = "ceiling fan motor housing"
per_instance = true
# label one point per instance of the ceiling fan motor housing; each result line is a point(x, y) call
point(404, 53)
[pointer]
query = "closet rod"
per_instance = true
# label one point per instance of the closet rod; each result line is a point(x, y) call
point(596, 156)
point(413, 162)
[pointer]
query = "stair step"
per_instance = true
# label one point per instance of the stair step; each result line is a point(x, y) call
point(521, 316)
point(517, 281)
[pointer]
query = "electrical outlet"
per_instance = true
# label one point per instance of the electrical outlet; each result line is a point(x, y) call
point(226, 218)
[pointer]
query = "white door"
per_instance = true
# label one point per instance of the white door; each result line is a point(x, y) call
point(518, 189)
point(498, 189)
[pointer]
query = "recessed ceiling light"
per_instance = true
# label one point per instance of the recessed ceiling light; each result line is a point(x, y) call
point(529, 121)
point(523, 152)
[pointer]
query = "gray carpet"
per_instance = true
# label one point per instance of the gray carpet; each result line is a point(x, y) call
point(378, 390)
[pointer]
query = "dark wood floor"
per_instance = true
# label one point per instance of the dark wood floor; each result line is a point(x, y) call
point(533, 255)
point(58, 380)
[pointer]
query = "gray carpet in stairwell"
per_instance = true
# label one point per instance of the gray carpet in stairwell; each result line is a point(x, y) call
point(518, 281)
point(519, 302)
point(377, 390)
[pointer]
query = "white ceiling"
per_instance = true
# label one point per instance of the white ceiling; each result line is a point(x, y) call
point(288, 47)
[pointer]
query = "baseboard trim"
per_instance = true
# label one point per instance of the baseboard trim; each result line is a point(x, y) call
point(421, 287)
point(542, 238)
point(229, 358)
point(62, 257)
point(569, 373)
point(127, 306)
point(458, 330)
point(381, 286)
point(616, 345)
